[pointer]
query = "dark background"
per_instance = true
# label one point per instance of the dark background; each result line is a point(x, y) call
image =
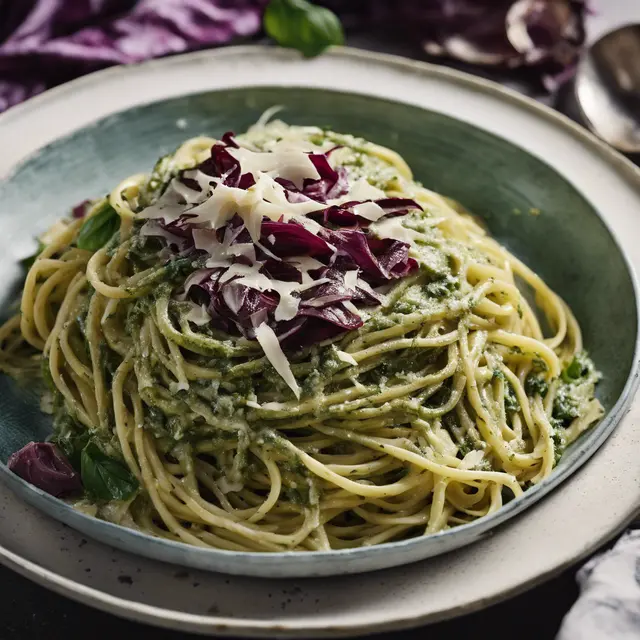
point(29, 612)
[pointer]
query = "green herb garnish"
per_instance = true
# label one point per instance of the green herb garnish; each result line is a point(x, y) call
point(99, 228)
point(105, 478)
point(536, 385)
point(510, 399)
point(581, 367)
point(301, 25)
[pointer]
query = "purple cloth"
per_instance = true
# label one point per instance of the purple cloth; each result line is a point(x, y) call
point(47, 42)
point(542, 39)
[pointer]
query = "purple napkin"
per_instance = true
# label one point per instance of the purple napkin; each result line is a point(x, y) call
point(46, 42)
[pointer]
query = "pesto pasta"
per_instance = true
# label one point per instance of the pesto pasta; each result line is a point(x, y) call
point(281, 341)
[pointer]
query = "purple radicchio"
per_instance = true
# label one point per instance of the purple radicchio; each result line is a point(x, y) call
point(331, 184)
point(286, 239)
point(342, 215)
point(46, 42)
point(44, 466)
point(288, 253)
point(223, 165)
point(545, 36)
point(315, 325)
point(234, 308)
point(80, 210)
point(238, 309)
point(380, 260)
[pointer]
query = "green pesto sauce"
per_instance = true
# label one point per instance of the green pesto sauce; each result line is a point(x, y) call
point(175, 416)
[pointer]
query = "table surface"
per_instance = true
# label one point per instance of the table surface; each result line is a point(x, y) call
point(30, 612)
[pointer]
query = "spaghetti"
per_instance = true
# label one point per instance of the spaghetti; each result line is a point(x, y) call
point(283, 342)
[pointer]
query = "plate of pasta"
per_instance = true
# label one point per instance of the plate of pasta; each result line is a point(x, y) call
point(295, 331)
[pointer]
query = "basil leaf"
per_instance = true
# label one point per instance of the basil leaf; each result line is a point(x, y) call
point(99, 228)
point(27, 263)
point(298, 24)
point(105, 478)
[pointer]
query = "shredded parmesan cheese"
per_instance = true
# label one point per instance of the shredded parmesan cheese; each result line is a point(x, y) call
point(272, 349)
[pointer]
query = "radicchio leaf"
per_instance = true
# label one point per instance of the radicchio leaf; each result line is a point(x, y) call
point(292, 239)
point(45, 42)
point(44, 466)
point(221, 164)
point(281, 270)
point(398, 206)
point(238, 309)
point(342, 215)
point(379, 260)
point(315, 325)
point(366, 297)
point(328, 293)
point(178, 241)
point(179, 227)
point(234, 308)
point(80, 210)
point(331, 184)
point(228, 138)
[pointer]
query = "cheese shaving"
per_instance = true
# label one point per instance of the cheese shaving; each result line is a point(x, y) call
point(361, 189)
point(273, 351)
point(289, 164)
point(472, 460)
point(394, 229)
point(346, 357)
point(369, 211)
point(198, 315)
point(351, 279)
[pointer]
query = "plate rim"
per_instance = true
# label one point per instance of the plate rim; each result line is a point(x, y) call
point(623, 166)
point(218, 626)
point(584, 448)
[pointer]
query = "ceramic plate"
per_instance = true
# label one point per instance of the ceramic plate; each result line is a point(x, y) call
point(567, 243)
point(484, 180)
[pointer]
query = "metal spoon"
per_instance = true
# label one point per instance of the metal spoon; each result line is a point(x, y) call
point(607, 88)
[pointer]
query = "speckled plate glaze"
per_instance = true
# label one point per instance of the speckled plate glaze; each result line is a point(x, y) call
point(459, 146)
